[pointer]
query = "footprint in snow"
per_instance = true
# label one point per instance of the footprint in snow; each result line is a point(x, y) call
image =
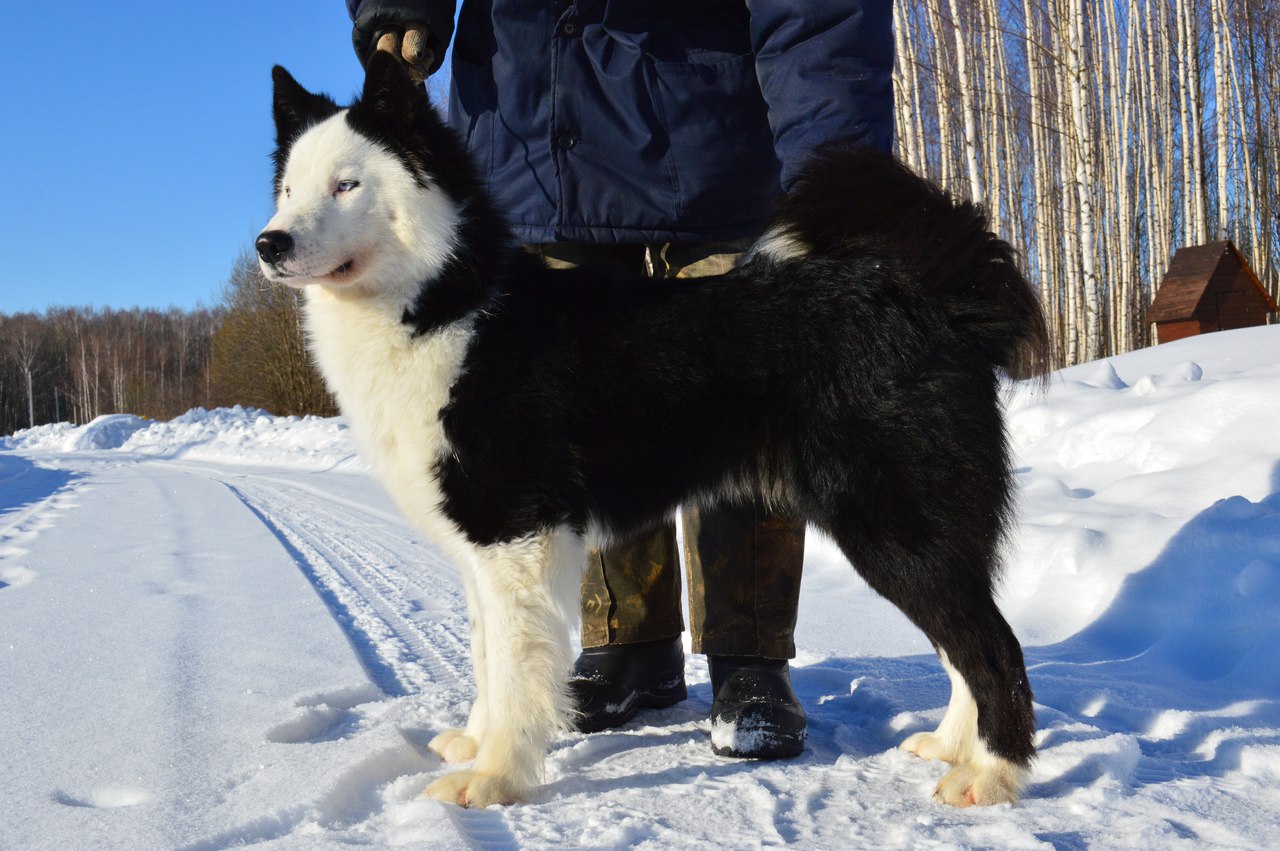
point(14, 576)
point(106, 798)
point(322, 716)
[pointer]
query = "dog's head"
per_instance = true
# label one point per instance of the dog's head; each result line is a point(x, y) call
point(362, 206)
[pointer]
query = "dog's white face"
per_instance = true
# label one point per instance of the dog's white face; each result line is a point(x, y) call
point(351, 218)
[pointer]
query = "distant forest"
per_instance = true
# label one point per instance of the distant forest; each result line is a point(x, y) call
point(73, 364)
point(76, 363)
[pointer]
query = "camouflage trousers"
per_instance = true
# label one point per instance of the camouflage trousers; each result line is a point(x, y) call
point(743, 563)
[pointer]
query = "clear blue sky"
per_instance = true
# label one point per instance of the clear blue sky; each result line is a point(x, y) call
point(135, 141)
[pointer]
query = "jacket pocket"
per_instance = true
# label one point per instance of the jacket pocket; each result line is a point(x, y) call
point(721, 147)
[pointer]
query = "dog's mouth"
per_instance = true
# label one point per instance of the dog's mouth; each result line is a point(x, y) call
point(340, 274)
point(343, 271)
point(277, 275)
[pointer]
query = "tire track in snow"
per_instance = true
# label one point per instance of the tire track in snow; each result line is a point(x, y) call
point(351, 562)
point(486, 830)
point(407, 627)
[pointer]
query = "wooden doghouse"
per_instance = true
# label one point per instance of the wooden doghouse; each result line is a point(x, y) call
point(1208, 288)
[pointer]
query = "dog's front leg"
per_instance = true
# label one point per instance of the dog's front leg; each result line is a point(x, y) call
point(519, 587)
point(462, 745)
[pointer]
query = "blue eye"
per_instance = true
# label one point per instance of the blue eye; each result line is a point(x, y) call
point(347, 185)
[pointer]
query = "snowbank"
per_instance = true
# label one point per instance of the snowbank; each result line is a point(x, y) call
point(225, 435)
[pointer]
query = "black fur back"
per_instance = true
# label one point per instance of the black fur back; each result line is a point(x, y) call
point(856, 202)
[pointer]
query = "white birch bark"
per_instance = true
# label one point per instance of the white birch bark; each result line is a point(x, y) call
point(967, 111)
point(1189, 236)
point(1189, 54)
point(909, 102)
point(942, 93)
point(1084, 182)
point(1251, 212)
point(1039, 161)
point(1222, 104)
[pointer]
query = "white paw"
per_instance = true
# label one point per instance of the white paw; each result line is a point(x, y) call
point(472, 789)
point(930, 746)
point(454, 746)
point(970, 784)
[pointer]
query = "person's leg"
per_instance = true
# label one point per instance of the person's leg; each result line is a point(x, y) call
point(744, 566)
point(744, 587)
point(631, 591)
point(632, 655)
point(744, 580)
point(744, 570)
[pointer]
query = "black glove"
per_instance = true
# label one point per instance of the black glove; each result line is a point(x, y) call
point(407, 30)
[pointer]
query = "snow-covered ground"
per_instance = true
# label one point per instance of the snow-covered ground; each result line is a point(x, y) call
point(216, 632)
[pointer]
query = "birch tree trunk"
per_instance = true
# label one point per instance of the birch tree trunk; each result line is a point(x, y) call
point(967, 111)
point(942, 90)
point(1084, 182)
point(1222, 103)
point(908, 100)
point(1034, 52)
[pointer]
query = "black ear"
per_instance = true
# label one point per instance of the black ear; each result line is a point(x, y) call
point(394, 112)
point(294, 109)
point(390, 93)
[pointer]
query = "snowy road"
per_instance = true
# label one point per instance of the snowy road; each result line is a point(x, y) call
point(194, 626)
point(217, 632)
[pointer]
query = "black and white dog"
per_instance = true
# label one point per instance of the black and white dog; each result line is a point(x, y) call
point(848, 372)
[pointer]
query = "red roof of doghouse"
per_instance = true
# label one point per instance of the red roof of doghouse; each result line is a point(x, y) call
point(1197, 271)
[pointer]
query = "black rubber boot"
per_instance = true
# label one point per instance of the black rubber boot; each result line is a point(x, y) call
point(610, 684)
point(755, 713)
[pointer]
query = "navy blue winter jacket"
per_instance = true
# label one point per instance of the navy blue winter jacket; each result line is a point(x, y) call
point(614, 121)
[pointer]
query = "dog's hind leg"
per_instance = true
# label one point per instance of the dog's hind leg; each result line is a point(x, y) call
point(926, 538)
point(988, 730)
point(462, 745)
point(525, 590)
point(982, 774)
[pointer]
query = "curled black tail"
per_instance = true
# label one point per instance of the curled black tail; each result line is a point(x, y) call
point(860, 202)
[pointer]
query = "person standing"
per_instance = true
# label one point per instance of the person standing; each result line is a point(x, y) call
point(658, 135)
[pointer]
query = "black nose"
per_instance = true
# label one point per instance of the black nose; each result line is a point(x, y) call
point(274, 246)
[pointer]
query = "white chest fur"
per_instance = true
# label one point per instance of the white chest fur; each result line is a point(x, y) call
point(391, 387)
